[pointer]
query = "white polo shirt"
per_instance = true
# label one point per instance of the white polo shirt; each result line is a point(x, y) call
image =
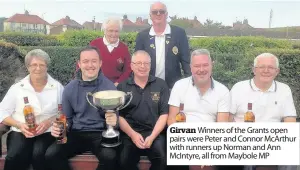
point(44, 103)
point(160, 44)
point(270, 106)
point(200, 107)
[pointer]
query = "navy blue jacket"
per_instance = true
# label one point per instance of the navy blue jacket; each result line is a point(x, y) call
point(177, 39)
point(81, 116)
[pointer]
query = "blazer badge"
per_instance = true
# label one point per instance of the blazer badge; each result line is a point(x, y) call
point(175, 50)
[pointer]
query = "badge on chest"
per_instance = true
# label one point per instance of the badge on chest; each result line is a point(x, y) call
point(155, 96)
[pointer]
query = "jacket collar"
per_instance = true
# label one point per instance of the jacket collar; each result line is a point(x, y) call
point(166, 31)
point(98, 80)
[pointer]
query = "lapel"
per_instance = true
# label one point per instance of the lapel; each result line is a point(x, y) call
point(167, 43)
point(152, 47)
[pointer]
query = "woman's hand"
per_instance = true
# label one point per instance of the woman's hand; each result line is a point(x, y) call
point(25, 130)
point(43, 126)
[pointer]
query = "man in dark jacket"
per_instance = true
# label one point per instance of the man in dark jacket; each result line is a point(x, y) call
point(167, 45)
point(85, 123)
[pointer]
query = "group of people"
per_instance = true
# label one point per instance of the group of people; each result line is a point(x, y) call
point(153, 74)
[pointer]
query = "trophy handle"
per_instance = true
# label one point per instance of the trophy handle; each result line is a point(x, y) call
point(128, 93)
point(87, 98)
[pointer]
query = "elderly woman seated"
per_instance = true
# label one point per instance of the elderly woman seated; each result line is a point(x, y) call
point(115, 54)
point(28, 140)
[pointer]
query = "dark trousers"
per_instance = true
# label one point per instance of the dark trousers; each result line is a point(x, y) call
point(130, 154)
point(57, 155)
point(22, 151)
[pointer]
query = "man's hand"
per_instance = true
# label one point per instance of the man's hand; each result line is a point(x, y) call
point(43, 126)
point(138, 140)
point(55, 130)
point(148, 141)
point(111, 118)
point(25, 130)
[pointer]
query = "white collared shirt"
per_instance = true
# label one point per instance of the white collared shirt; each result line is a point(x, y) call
point(110, 46)
point(44, 103)
point(270, 106)
point(197, 107)
point(160, 44)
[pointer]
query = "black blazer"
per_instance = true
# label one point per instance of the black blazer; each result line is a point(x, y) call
point(177, 52)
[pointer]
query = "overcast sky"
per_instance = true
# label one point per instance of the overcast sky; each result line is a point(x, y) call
point(285, 13)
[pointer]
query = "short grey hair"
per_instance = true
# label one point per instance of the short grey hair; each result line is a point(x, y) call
point(200, 52)
point(165, 6)
point(112, 20)
point(36, 53)
point(266, 55)
point(141, 52)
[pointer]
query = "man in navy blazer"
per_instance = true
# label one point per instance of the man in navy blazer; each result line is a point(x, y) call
point(167, 45)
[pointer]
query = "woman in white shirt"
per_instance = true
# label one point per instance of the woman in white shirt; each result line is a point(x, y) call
point(44, 94)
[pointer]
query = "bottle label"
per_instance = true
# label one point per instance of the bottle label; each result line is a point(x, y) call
point(63, 132)
point(30, 120)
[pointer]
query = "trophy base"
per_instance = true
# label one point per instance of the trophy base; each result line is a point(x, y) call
point(110, 139)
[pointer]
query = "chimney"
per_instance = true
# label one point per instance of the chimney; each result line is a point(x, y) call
point(94, 23)
point(26, 12)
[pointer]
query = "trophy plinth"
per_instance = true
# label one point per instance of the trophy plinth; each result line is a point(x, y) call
point(110, 101)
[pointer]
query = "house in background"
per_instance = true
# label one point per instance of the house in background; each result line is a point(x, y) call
point(92, 25)
point(128, 26)
point(64, 24)
point(239, 25)
point(2, 19)
point(26, 23)
point(126, 21)
point(141, 22)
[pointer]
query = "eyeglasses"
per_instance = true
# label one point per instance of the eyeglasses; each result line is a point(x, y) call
point(262, 68)
point(160, 11)
point(146, 64)
point(41, 66)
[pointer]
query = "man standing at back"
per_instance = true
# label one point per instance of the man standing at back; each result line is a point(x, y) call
point(167, 45)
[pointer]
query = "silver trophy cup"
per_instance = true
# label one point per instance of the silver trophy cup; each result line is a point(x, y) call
point(110, 101)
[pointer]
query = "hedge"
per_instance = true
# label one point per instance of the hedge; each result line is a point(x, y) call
point(239, 45)
point(29, 39)
point(75, 38)
point(11, 66)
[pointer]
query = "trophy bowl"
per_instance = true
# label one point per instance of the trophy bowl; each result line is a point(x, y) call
point(110, 101)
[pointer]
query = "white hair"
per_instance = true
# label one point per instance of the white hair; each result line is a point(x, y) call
point(266, 55)
point(140, 52)
point(37, 53)
point(111, 21)
point(200, 52)
point(160, 3)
